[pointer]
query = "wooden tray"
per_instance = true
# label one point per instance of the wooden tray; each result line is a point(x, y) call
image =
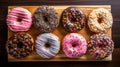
point(60, 32)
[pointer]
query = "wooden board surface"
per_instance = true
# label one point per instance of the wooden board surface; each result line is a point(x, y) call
point(61, 32)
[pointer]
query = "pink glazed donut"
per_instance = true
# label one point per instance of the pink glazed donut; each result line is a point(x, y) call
point(19, 19)
point(74, 45)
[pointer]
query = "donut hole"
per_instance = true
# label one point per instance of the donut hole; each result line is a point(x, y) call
point(74, 45)
point(20, 44)
point(45, 18)
point(100, 20)
point(47, 45)
point(100, 45)
point(19, 19)
point(73, 19)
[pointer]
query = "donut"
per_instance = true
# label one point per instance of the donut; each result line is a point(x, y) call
point(19, 19)
point(73, 19)
point(45, 19)
point(47, 45)
point(100, 20)
point(20, 45)
point(100, 46)
point(74, 45)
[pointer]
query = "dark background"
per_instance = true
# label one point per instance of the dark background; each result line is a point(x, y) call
point(115, 31)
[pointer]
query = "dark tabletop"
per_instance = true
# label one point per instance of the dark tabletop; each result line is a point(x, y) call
point(115, 31)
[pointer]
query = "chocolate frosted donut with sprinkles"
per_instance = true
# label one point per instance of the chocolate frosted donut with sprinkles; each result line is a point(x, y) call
point(47, 45)
point(73, 19)
point(100, 46)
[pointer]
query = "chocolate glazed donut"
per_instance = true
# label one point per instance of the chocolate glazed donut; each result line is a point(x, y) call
point(45, 19)
point(73, 19)
point(20, 45)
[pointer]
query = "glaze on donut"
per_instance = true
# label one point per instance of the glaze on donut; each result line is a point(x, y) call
point(100, 20)
point(45, 19)
point(47, 45)
point(20, 45)
point(74, 45)
point(100, 46)
point(19, 19)
point(73, 19)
